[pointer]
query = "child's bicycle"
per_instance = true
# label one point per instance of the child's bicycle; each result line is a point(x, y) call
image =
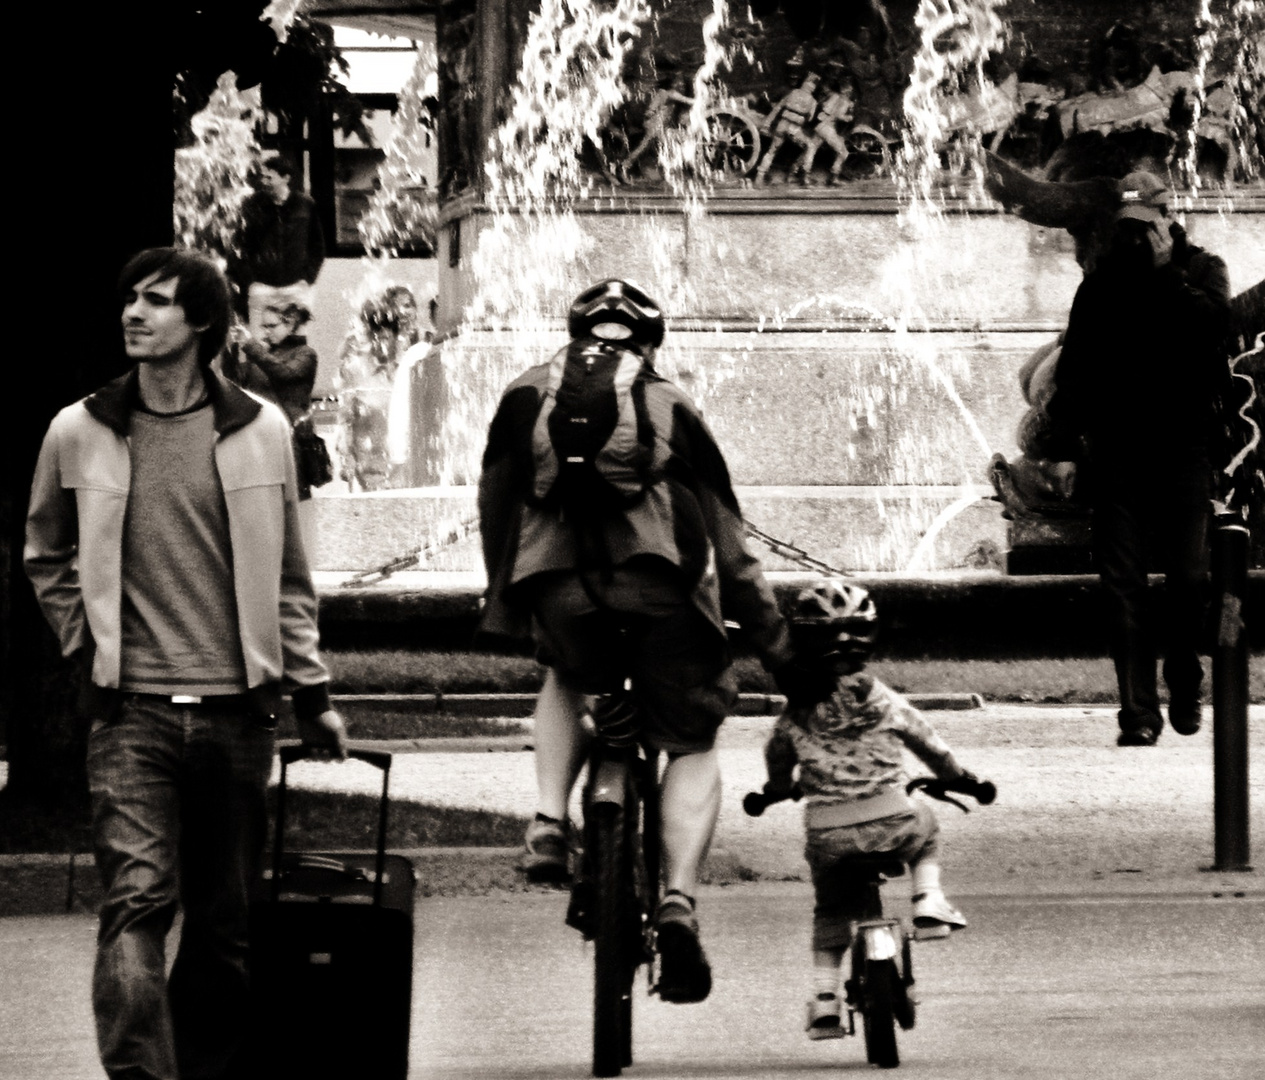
point(881, 971)
point(617, 888)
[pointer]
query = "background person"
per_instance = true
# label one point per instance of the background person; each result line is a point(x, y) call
point(282, 245)
point(162, 542)
point(640, 590)
point(373, 387)
point(281, 367)
point(1140, 374)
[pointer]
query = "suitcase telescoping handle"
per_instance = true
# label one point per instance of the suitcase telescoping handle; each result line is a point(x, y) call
point(290, 752)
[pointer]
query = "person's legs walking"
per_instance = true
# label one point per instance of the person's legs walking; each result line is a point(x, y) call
point(1119, 541)
point(133, 778)
point(223, 823)
point(1183, 524)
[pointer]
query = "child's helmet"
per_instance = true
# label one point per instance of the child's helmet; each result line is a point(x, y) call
point(835, 618)
point(615, 303)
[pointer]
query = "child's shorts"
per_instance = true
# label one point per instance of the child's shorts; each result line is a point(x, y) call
point(840, 896)
point(649, 630)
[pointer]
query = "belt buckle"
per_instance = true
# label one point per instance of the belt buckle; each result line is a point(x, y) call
point(186, 699)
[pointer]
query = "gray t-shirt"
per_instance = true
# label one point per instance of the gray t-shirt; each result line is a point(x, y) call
point(180, 628)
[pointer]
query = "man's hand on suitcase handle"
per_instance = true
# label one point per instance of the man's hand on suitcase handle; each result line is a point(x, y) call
point(325, 735)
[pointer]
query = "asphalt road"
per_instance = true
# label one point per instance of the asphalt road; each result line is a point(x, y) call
point(1039, 987)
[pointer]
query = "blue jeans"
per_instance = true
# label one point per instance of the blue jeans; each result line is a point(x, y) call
point(178, 820)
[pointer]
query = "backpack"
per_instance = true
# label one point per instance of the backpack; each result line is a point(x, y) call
point(593, 443)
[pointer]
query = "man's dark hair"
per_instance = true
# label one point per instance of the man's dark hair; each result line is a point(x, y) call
point(280, 164)
point(201, 289)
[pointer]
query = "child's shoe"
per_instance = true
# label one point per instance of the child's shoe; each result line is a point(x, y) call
point(934, 916)
point(824, 1021)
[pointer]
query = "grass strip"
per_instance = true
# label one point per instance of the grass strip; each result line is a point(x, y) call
point(315, 821)
point(1084, 680)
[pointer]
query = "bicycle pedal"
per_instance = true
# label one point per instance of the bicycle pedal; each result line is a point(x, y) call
point(933, 932)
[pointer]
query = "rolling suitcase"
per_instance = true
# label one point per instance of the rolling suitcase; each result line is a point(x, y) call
point(331, 939)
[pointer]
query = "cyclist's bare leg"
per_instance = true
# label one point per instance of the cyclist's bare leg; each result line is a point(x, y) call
point(561, 743)
point(690, 805)
point(690, 802)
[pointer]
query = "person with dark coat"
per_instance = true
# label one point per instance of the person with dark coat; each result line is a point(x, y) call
point(282, 244)
point(1140, 373)
point(280, 366)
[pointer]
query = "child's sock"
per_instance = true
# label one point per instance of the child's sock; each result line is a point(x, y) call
point(826, 965)
point(925, 877)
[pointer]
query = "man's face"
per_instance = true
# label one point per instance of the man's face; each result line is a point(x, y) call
point(155, 329)
point(275, 184)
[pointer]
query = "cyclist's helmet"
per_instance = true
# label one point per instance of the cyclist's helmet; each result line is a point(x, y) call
point(835, 618)
point(616, 310)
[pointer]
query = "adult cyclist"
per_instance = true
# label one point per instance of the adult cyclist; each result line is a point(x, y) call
point(640, 589)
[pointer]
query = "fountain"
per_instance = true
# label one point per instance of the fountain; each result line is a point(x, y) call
point(854, 345)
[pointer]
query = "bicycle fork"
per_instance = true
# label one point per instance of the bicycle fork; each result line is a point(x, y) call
point(880, 941)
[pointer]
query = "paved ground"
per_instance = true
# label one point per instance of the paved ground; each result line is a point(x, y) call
point(1097, 946)
point(1130, 988)
point(1073, 809)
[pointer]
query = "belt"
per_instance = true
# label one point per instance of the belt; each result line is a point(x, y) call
point(212, 701)
point(833, 815)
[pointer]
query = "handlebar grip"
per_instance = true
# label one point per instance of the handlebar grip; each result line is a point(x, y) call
point(985, 792)
point(755, 803)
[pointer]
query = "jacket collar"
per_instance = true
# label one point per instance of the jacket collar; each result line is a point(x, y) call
point(114, 403)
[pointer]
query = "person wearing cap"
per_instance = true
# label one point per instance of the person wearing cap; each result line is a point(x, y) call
point(1142, 365)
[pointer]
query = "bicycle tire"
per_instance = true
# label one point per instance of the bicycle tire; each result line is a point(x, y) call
point(614, 964)
point(879, 1013)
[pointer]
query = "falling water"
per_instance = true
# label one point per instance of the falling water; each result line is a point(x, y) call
point(1205, 42)
point(956, 39)
point(533, 254)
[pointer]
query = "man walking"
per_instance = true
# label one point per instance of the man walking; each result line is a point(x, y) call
point(1141, 369)
point(163, 544)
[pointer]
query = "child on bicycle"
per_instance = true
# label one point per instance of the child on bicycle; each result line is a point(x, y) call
point(849, 749)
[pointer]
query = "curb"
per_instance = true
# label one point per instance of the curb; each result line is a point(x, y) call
point(40, 884)
point(518, 705)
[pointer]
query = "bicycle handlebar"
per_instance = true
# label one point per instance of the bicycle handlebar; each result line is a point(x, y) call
point(756, 802)
point(982, 791)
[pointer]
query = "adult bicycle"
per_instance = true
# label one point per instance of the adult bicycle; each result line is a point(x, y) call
point(881, 971)
point(617, 888)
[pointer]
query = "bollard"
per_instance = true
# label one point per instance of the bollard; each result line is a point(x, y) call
point(1230, 697)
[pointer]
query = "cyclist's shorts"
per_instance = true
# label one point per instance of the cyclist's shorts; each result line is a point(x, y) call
point(640, 625)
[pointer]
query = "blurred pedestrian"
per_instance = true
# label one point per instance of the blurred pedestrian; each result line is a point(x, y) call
point(282, 245)
point(1140, 374)
point(373, 387)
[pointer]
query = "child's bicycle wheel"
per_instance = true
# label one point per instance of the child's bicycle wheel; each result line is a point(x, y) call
point(880, 987)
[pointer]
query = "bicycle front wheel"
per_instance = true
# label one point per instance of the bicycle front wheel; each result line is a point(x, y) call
point(879, 1005)
point(615, 961)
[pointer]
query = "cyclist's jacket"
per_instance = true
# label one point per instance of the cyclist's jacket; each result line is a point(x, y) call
point(850, 752)
point(688, 518)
